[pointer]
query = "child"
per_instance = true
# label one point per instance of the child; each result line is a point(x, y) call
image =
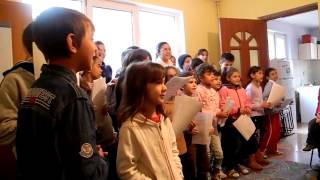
point(56, 125)
point(147, 143)
point(87, 77)
point(170, 72)
point(215, 143)
point(184, 62)
point(226, 61)
point(206, 96)
point(235, 147)
point(203, 54)
point(272, 132)
point(254, 92)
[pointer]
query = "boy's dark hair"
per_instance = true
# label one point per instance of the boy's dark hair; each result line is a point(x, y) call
point(226, 57)
point(200, 51)
point(99, 43)
point(203, 68)
point(137, 76)
point(27, 38)
point(125, 52)
point(195, 63)
point(159, 46)
point(51, 28)
point(253, 70)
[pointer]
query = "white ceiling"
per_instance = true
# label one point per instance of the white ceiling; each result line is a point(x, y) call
point(308, 19)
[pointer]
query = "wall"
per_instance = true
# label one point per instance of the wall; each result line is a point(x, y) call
point(200, 22)
point(251, 9)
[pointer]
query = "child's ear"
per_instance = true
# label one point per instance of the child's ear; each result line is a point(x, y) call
point(71, 43)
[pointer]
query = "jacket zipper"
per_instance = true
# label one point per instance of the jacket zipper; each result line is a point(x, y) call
point(165, 152)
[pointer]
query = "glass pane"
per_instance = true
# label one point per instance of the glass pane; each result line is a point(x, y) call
point(247, 35)
point(238, 34)
point(271, 47)
point(39, 6)
point(253, 43)
point(237, 62)
point(234, 42)
point(116, 36)
point(155, 28)
point(254, 58)
point(280, 46)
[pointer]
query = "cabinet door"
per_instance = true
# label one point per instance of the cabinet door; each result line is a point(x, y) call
point(307, 51)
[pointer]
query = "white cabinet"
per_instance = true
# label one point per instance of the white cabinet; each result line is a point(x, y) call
point(308, 51)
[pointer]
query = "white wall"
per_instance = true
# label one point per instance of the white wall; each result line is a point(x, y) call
point(5, 49)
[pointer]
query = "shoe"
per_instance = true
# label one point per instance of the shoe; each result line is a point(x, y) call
point(260, 159)
point(242, 169)
point(308, 147)
point(233, 174)
point(218, 174)
point(252, 163)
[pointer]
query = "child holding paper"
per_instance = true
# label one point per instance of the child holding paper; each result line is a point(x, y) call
point(254, 91)
point(235, 147)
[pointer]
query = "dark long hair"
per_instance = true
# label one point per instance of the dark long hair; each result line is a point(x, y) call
point(137, 76)
point(267, 74)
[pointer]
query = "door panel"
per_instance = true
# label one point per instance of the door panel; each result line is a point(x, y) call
point(247, 40)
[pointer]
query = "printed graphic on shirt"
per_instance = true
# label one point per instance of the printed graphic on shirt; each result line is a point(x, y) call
point(86, 150)
point(39, 96)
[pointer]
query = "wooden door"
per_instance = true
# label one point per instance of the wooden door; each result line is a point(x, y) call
point(247, 41)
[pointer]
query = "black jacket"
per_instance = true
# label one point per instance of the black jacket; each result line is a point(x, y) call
point(56, 130)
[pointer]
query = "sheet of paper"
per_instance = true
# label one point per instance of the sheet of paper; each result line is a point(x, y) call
point(185, 109)
point(203, 123)
point(228, 105)
point(276, 94)
point(173, 85)
point(98, 95)
point(245, 126)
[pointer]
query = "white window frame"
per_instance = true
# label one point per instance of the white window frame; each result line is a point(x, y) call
point(282, 35)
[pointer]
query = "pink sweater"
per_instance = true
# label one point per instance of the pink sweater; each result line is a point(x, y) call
point(239, 97)
point(209, 98)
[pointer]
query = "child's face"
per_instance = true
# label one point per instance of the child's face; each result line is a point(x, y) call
point(171, 73)
point(226, 64)
point(86, 50)
point(235, 78)
point(216, 82)
point(155, 92)
point(204, 56)
point(165, 52)
point(191, 86)
point(96, 69)
point(258, 76)
point(207, 78)
point(187, 63)
point(101, 51)
point(273, 75)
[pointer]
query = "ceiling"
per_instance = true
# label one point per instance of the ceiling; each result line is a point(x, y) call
point(308, 19)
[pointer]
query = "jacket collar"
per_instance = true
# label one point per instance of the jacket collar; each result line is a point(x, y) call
point(140, 118)
point(59, 71)
point(232, 86)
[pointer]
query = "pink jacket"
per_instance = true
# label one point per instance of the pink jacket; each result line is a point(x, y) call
point(318, 107)
point(239, 97)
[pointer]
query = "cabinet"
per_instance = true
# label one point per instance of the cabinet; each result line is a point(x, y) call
point(308, 51)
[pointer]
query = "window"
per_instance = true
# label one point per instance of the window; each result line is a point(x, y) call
point(277, 45)
point(120, 25)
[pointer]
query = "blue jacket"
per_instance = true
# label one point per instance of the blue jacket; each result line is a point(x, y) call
point(56, 137)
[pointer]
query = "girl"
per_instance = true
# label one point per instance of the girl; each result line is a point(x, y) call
point(235, 147)
point(254, 91)
point(272, 132)
point(170, 72)
point(203, 54)
point(164, 54)
point(147, 144)
point(87, 77)
point(184, 62)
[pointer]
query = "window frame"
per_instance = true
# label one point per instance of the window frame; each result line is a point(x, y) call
point(275, 35)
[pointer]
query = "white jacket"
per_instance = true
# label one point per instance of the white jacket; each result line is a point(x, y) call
point(148, 150)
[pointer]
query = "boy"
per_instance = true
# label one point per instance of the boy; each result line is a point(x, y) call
point(56, 125)
point(226, 61)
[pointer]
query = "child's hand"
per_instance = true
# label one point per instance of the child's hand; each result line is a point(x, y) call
point(194, 131)
point(266, 105)
point(211, 131)
point(100, 151)
point(192, 125)
point(245, 110)
point(222, 114)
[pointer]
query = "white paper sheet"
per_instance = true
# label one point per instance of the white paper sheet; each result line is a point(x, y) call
point(203, 123)
point(173, 85)
point(276, 94)
point(245, 126)
point(185, 109)
point(98, 95)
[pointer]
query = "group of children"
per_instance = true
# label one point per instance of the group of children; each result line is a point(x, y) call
point(57, 129)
